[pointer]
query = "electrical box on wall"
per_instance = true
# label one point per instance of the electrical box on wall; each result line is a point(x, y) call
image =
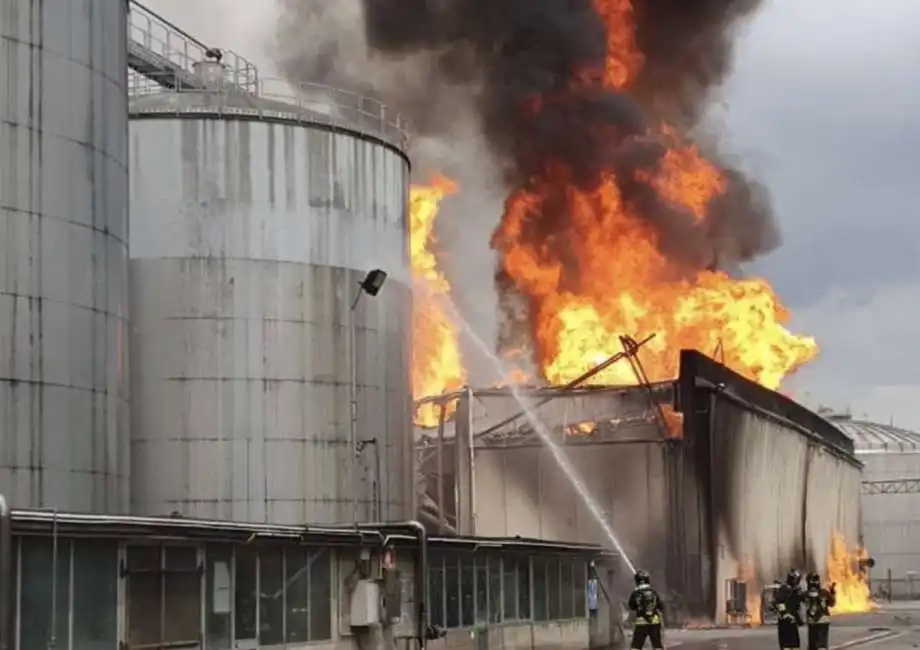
point(392, 595)
point(365, 604)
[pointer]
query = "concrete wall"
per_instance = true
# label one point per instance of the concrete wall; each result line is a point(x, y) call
point(523, 491)
point(778, 497)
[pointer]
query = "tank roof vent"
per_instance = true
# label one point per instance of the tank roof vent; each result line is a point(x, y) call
point(212, 73)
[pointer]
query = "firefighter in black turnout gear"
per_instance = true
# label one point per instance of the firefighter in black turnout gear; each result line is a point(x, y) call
point(787, 603)
point(818, 603)
point(645, 603)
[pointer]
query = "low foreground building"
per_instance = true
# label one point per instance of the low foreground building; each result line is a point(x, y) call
point(89, 582)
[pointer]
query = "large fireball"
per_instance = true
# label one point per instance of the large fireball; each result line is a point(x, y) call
point(615, 223)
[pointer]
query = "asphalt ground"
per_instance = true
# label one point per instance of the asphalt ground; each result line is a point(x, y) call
point(891, 627)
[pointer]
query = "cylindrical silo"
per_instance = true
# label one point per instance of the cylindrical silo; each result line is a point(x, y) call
point(252, 223)
point(63, 236)
point(890, 503)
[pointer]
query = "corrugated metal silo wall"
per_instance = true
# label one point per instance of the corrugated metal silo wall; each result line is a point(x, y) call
point(248, 239)
point(63, 276)
point(891, 523)
point(522, 491)
point(778, 496)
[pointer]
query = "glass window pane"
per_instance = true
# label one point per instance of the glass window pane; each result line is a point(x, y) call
point(44, 599)
point(495, 589)
point(320, 595)
point(297, 598)
point(553, 609)
point(524, 587)
point(452, 585)
point(566, 589)
point(181, 558)
point(467, 592)
point(436, 590)
point(482, 589)
point(580, 581)
point(145, 558)
point(182, 605)
point(245, 595)
point(510, 584)
point(271, 597)
point(218, 596)
point(95, 588)
point(540, 599)
point(145, 602)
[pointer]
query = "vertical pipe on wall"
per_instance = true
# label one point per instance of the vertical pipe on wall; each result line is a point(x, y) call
point(7, 588)
point(472, 452)
point(711, 516)
point(54, 580)
point(442, 497)
point(353, 404)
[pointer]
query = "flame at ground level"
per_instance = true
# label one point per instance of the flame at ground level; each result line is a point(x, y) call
point(437, 366)
point(845, 568)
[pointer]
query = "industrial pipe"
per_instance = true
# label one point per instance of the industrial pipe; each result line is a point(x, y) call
point(6, 575)
point(421, 580)
point(421, 568)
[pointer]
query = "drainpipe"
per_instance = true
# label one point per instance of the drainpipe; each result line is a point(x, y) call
point(421, 580)
point(6, 575)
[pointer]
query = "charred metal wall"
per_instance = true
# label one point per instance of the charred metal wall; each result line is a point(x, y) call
point(775, 480)
point(756, 483)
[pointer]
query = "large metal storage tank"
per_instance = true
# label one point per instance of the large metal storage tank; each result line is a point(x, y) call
point(890, 503)
point(63, 273)
point(252, 222)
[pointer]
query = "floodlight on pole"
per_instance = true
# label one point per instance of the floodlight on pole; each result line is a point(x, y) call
point(371, 284)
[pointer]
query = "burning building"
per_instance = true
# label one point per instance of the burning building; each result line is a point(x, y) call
point(705, 480)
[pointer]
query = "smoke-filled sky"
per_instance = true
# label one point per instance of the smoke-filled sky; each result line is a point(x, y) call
point(822, 105)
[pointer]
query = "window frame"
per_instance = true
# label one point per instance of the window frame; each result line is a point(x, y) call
point(163, 571)
point(528, 567)
point(313, 554)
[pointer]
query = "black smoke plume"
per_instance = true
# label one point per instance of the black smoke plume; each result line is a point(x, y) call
point(530, 61)
point(517, 70)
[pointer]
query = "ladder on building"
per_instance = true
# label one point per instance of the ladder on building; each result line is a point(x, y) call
point(161, 56)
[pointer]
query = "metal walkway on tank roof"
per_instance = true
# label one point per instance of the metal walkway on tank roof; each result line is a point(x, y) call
point(161, 55)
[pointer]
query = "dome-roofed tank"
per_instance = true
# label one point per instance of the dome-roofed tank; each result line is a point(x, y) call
point(63, 265)
point(252, 222)
point(891, 502)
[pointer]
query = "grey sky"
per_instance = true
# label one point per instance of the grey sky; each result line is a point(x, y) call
point(824, 106)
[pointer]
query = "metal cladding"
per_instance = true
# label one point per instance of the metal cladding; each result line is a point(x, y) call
point(63, 237)
point(891, 502)
point(252, 223)
point(702, 480)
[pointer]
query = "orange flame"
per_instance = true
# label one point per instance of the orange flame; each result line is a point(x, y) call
point(754, 593)
point(626, 285)
point(437, 366)
point(845, 569)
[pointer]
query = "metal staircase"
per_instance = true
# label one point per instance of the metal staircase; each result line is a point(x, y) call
point(161, 56)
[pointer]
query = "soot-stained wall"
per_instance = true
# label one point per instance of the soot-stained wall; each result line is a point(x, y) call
point(780, 481)
point(756, 484)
